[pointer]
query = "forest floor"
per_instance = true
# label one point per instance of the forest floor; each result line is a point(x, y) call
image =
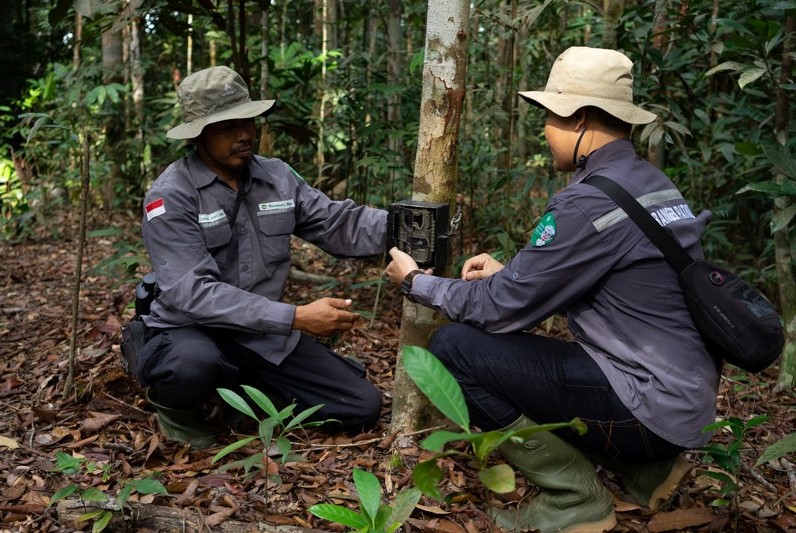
point(107, 420)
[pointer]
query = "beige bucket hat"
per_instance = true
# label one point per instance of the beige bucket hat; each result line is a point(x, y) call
point(598, 77)
point(212, 95)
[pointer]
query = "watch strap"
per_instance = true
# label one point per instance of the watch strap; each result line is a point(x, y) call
point(406, 284)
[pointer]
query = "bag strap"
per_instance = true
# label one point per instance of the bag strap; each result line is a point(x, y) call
point(660, 236)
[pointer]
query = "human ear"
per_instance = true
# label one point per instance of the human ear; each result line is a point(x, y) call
point(580, 119)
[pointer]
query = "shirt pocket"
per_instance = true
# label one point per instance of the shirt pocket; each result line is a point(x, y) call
point(274, 235)
point(218, 241)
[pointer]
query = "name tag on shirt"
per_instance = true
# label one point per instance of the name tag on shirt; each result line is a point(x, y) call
point(282, 205)
point(211, 218)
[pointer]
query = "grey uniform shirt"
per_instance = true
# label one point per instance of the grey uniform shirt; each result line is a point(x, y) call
point(214, 274)
point(623, 301)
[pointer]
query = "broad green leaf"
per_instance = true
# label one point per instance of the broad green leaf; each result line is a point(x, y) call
point(150, 486)
point(437, 440)
point(67, 464)
point(426, 476)
point(767, 187)
point(253, 461)
point(91, 515)
point(437, 383)
point(721, 476)
point(727, 65)
point(749, 75)
point(402, 507)
point(487, 442)
point(102, 522)
point(782, 447)
point(283, 446)
point(63, 493)
point(781, 158)
point(676, 126)
point(235, 400)
point(339, 515)
point(576, 424)
point(124, 495)
point(781, 219)
point(499, 478)
point(369, 491)
point(266, 430)
point(648, 129)
point(296, 420)
point(93, 494)
point(757, 420)
point(262, 401)
point(231, 448)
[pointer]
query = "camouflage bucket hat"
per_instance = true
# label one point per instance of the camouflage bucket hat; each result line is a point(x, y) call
point(597, 77)
point(213, 95)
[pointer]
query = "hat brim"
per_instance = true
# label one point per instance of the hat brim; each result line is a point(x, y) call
point(192, 130)
point(564, 105)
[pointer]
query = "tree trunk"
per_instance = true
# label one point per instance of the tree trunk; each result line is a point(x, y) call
point(444, 77)
point(266, 135)
point(395, 65)
point(112, 68)
point(78, 40)
point(612, 12)
point(656, 152)
point(783, 245)
point(328, 42)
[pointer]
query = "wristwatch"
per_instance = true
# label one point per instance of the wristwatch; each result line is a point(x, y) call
point(406, 284)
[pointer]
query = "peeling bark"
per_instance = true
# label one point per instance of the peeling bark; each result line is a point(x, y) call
point(444, 83)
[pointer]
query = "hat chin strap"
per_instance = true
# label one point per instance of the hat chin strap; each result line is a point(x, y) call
point(579, 162)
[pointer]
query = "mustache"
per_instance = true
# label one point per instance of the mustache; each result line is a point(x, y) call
point(243, 147)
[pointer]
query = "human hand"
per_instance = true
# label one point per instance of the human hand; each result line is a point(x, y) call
point(402, 264)
point(326, 317)
point(480, 266)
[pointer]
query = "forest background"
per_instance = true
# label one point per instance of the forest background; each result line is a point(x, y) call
point(94, 81)
point(347, 76)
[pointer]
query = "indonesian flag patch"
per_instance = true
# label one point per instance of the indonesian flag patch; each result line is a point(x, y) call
point(155, 208)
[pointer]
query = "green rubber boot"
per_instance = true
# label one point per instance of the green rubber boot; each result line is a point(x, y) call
point(571, 500)
point(183, 425)
point(651, 484)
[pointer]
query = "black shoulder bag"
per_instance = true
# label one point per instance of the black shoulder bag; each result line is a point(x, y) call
point(736, 321)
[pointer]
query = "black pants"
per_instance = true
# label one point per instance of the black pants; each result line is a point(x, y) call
point(506, 375)
point(184, 366)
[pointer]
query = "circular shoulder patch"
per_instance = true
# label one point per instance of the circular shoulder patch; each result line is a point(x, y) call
point(545, 231)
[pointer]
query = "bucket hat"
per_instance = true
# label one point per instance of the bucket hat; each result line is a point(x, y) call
point(583, 76)
point(213, 95)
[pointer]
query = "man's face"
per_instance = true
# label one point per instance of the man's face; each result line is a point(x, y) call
point(227, 146)
point(561, 137)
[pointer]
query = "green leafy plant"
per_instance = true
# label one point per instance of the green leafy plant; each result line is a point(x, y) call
point(100, 518)
point(374, 516)
point(273, 430)
point(728, 456)
point(442, 389)
point(781, 448)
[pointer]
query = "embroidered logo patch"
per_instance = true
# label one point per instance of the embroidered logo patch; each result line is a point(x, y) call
point(545, 231)
point(155, 208)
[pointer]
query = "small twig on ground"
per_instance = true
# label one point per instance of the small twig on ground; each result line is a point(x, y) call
point(757, 477)
point(319, 447)
point(787, 466)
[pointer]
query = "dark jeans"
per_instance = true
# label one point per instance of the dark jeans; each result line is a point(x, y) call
point(506, 375)
point(184, 366)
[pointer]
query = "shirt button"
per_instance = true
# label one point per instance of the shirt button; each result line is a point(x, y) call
point(244, 267)
point(515, 275)
point(243, 231)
